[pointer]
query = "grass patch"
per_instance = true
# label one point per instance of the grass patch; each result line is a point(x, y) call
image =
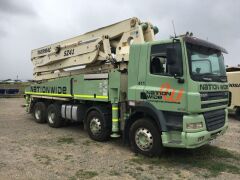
point(2, 164)
point(114, 173)
point(133, 174)
point(213, 159)
point(87, 143)
point(81, 174)
point(138, 168)
point(68, 156)
point(43, 159)
point(150, 167)
point(66, 140)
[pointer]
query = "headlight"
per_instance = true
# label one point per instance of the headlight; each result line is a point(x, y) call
point(197, 125)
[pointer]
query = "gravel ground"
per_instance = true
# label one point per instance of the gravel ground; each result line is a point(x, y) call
point(35, 151)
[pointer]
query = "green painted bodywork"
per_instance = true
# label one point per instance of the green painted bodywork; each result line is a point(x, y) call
point(190, 104)
point(103, 90)
point(140, 80)
point(139, 72)
point(192, 138)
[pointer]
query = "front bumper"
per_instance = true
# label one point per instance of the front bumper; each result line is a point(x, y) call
point(194, 138)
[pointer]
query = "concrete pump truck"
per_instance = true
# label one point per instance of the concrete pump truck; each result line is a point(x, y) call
point(119, 81)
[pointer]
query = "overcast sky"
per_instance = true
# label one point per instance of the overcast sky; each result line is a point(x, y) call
point(30, 24)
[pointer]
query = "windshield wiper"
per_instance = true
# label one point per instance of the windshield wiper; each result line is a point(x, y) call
point(207, 79)
point(208, 74)
point(211, 77)
point(214, 76)
point(223, 78)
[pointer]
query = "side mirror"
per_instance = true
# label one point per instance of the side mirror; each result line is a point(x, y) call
point(171, 56)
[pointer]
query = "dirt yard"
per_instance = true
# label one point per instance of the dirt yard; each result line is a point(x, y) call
point(35, 151)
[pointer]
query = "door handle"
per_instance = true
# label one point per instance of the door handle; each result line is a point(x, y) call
point(180, 79)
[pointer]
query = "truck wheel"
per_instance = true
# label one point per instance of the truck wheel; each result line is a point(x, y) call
point(145, 138)
point(40, 112)
point(54, 118)
point(237, 113)
point(97, 126)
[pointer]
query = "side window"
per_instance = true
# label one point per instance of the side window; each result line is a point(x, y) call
point(158, 59)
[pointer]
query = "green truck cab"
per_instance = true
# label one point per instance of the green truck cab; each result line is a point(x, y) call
point(182, 83)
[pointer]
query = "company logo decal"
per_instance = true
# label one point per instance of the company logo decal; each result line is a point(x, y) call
point(49, 89)
point(213, 87)
point(45, 50)
point(166, 94)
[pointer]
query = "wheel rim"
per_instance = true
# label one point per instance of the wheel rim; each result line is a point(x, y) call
point(51, 116)
point(37, 113)
point(144, 139)
point(95, 126)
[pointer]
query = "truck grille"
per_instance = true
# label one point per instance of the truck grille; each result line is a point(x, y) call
point(214, 119)
point(214, 104)
point(208, 96)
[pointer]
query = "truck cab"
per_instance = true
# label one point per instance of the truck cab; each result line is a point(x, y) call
point(182, 84)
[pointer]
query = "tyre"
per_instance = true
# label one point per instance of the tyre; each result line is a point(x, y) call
point(97, 126)
point(40, 112)
point(145, 138)
point(237, 113)
point(54, 118)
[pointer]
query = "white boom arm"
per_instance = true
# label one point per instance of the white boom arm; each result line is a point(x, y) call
point(110, 43)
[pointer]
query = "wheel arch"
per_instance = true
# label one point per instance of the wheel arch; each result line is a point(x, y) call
point(47, 102)
point(103, 110)
point(145, 110)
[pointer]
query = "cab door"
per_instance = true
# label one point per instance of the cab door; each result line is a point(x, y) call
point(165, 82)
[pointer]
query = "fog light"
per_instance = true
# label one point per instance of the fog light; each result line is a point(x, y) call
point(194, 125)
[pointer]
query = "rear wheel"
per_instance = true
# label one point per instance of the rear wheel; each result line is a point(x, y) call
point(145, 138)
point(40, 112)
point(97, 126)
point(54, 118)
point(237, 113)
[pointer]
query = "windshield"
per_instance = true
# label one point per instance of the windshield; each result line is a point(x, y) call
point(206, 64)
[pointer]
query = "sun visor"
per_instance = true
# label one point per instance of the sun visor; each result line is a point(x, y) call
point(200, 42)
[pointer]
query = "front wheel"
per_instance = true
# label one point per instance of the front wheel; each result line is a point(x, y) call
point(145, 138)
